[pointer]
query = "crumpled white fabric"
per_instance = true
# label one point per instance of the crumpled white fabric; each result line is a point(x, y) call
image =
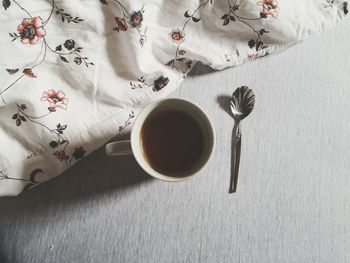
point(75, 73)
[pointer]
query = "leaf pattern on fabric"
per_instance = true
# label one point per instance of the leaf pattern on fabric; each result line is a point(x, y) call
point(157, 85)
point(31, 181)
point(256, 43)
point(177, 36)
point(56, 88)
point(132, 19)
point(32, 30)
point(343, 6)
point(127, 122)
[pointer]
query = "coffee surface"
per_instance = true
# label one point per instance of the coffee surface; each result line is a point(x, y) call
point(172, 142)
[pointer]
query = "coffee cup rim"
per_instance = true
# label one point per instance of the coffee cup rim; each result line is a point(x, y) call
point(137, 148)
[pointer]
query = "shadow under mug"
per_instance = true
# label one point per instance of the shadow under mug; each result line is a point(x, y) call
point(134, 145)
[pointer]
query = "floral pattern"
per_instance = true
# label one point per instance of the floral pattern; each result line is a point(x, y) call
point(333, 3)
point(59, 142)
point(121, 24)
point(31, 29)
point(60, 155)
point(51, 109)
point(79, 153)
point(55, 99)
point(160, 83)
point(177, 36)
point(29, 73)
point(132, 18)
point(136, 18)
point(127, 122)
point(270, 7)
point(157, 85)
point(30, 182)
point(180, 62)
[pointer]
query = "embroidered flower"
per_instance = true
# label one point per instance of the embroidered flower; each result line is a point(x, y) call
point(69, 44)
point(160, 83)
point(55, 99)
point(54, 144)
point(121, 24)
point(177, 36)
point(79, 153)
point(136, 18)
point(270, 7)
point(31, 29)
point(77, 60)
point(60, 155)
point(29, 73)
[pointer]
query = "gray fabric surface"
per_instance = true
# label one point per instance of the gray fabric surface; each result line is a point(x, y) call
point(293, 199)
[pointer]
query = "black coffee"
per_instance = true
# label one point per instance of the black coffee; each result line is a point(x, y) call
point(172, 142)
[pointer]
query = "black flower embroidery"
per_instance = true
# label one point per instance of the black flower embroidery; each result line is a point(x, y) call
point(77, 60)
point(160, 83)
point(53, 144)
point(269, 8)
point(79, 153)
point(69, 44)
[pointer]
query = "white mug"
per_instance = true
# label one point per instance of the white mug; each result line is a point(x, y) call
point(134, 146)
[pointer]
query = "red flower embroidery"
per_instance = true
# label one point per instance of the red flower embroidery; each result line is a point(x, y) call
point(121, 24)
point(177, 36)
point(31, 29)
point(136, 18)
point(29, 73)
point(270, 7)
point(55, 99)
point(60, 155)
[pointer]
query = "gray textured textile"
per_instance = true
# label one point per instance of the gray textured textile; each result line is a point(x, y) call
point(293, 199)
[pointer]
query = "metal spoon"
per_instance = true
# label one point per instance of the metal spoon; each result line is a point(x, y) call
point(242, 104)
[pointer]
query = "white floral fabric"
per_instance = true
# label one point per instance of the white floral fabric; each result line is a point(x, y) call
point(75, 73)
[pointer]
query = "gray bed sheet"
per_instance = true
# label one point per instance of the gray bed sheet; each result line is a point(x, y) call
point(293, 198)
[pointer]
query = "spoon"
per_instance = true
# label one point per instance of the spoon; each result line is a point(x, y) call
point(242, 104)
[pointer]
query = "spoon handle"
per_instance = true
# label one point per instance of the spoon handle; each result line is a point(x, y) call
point(235, 156)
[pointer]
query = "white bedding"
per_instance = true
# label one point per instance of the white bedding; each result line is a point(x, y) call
point(67, 88)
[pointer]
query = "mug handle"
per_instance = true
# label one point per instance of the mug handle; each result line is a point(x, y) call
point(118, 148)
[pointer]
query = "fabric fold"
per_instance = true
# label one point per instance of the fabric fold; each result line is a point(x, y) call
point(76, 73)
